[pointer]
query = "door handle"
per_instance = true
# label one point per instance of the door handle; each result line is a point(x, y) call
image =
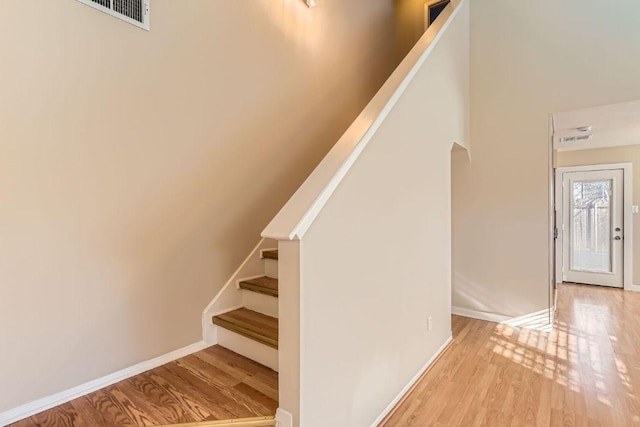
point(618, 238)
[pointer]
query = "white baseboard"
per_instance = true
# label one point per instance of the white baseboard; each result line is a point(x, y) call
point(632, 288)
point(37, 406)
point(283, 418)
point(410, 384)
point(540, 320)
point(481, 315)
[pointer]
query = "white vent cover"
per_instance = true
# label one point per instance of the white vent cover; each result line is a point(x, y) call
point(135, 12)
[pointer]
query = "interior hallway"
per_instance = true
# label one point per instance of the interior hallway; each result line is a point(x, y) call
point(585, 373)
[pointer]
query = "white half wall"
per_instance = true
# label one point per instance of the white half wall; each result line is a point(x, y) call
point(375, 263)
point(289, 331)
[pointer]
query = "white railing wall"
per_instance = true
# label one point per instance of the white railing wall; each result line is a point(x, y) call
point(365, 263)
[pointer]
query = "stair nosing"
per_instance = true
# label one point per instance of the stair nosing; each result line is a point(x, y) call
point(253, 287)
point(246, 331)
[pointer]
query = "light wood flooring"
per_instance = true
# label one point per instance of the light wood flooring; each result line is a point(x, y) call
point(584, 373)
point(209, 385)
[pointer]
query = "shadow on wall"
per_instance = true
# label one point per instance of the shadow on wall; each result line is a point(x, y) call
point(467, 293)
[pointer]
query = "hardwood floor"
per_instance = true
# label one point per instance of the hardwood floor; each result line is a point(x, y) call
point(212, 384)
point(584, 373)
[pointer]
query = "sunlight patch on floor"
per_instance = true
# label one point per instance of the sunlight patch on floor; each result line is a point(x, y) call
point(538, 321)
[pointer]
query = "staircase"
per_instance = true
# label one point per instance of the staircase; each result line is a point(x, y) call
point(252, 329)
point(408, 130)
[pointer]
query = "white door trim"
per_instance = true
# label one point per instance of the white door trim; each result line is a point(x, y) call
point(588, 274)
point(627, 216)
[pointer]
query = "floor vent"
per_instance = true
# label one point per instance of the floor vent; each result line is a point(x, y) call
point(135, 12)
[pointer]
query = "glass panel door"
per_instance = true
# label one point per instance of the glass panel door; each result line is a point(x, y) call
point(591, 232)
point(591, 226)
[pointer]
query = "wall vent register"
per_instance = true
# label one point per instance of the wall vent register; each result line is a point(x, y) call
point(135, 12)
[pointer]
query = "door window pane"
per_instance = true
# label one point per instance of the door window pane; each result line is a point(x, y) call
point(591, 226)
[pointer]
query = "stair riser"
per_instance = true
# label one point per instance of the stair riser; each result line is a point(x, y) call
point(271, 268)
point(253, 350)
point(264, 304)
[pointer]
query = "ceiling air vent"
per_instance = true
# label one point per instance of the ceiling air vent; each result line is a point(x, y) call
point(135, 12)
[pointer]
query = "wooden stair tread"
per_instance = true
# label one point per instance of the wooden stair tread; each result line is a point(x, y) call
point(270, 254)
point(257, 326)
point(264, 285)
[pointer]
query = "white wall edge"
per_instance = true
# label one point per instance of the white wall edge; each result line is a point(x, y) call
point(410, 384)
point(627, 222)
point(551, 238)
point(297, 215)
point(283, 418)
point(37, 406)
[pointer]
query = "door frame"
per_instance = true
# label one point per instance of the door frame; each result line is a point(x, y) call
point(587, 274)
point(627, 221)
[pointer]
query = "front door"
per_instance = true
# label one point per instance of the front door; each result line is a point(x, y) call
point(592, 228)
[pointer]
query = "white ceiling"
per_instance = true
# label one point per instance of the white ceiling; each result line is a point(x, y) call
point(612, 125)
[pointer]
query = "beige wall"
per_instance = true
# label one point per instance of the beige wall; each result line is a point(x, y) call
point(528, 59)
point(376, 262)
point(409, 25)
point(137, 169)
point(625, 154)
point(410, 17)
